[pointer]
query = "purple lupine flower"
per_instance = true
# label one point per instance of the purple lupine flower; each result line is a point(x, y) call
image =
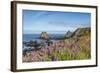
point(54, 58)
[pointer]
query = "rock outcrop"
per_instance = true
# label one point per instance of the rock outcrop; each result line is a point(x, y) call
point(68, 34)
point(44, 35)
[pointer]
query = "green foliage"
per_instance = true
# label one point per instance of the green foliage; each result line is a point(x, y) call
point(49, 58)
point(64, 55)
point(80, 56)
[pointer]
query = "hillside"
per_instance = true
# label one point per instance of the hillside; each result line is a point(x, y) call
point(81, 32)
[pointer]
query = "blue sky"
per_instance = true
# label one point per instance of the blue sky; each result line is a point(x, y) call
point(54, 21)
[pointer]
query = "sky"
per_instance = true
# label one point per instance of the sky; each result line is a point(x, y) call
point(35, 21)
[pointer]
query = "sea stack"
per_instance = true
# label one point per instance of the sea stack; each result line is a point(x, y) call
point(44, 35)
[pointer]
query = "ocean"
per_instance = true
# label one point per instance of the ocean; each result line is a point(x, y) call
point(28, 37)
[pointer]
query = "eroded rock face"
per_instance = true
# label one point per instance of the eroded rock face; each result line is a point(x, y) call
point(44, 35)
